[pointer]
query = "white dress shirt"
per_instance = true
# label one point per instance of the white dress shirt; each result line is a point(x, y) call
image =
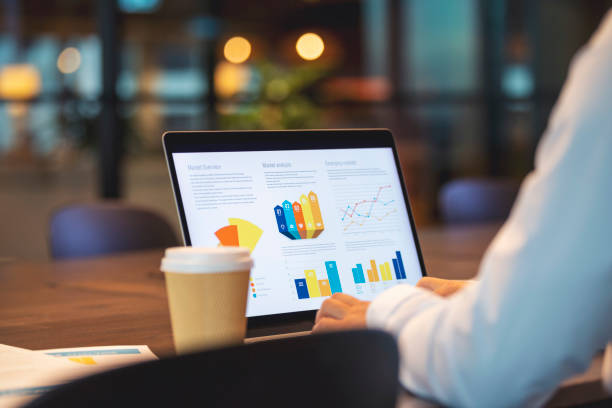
point(542, 307)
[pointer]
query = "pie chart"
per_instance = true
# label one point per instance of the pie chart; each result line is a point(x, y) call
point(239, 232)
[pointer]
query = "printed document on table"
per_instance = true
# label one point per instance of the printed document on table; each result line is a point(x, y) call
point(103, 357)
point(26, 374)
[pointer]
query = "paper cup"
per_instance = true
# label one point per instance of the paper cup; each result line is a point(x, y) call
point(207, 294)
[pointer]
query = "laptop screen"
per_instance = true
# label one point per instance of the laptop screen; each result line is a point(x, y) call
point(317, 222)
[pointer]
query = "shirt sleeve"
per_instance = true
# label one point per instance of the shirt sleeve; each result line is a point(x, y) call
point(541, 308)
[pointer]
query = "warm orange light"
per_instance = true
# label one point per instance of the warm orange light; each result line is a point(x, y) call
point(310, 46)
point(230, 79)
point(69, 60)
point(237, 50)
point(19, 82)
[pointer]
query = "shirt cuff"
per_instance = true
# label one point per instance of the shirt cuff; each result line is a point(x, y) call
point(381, 308)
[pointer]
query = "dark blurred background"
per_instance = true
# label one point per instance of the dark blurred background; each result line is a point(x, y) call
point(88, 87)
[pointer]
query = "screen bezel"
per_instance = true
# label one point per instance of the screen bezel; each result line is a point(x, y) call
point(267, 140)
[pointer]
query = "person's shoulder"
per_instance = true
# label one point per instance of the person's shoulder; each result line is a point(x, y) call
point(589, 85)
point(603, 36)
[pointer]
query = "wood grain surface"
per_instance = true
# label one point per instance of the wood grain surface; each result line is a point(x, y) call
point(121, 299)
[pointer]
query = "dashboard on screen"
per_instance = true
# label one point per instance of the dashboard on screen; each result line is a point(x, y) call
point(317, 222)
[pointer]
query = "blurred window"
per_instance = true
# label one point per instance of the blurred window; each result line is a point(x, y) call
point(441, 46)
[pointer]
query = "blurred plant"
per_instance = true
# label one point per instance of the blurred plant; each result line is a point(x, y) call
point(275, 98)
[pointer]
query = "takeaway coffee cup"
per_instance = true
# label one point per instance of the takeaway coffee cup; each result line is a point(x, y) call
point(207, 295)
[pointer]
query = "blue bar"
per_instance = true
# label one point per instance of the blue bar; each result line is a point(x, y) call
point(333, 277)
point(361, 273)
point(398, 273)
point(358, 274)
point(281, 222)
point(400, 263)
point(290, 220)
point(93, 352)
point(302, 289)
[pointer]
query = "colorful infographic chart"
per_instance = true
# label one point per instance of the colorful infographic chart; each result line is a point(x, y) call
point(301, 220)
point(384, 268)
point(239, 232)
point(311, 287)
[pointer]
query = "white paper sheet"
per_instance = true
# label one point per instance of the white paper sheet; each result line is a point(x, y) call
point(103, 357)
point(26, 374)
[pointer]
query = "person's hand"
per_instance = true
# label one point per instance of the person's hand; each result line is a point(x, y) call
point(442, 287)
point(341, 312)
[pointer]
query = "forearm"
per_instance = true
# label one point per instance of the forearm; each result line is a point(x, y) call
point(461, 354)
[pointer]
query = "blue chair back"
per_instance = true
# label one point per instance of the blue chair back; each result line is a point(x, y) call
point(108, 227)
point(476, 200)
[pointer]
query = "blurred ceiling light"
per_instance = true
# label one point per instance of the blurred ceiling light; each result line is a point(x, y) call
point(19, 82)
point(309, 46)
point(69, 60)
point(230, 79)
point(517, 81)
point(138, 6)
point(237, 50)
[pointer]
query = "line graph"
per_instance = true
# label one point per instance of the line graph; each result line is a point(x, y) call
point(374, 217)
point(368, 214)
point(375, 212)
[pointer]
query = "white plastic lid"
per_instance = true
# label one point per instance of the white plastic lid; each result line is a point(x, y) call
point(206, 260)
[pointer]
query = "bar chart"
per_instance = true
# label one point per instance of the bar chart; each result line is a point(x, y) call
point(310, 286)
point(377, 272)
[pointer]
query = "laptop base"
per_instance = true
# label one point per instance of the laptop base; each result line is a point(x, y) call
point(276, 337)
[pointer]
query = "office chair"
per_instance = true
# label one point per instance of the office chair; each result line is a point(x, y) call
point(476, 200)
point(108, 227)
point(343, 369)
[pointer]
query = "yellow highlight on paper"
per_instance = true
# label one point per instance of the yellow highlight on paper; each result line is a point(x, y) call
point(83, 360)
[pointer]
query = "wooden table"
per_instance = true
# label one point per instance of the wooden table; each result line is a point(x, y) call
point(121, 299)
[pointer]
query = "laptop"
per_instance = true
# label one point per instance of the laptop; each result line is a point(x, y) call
point(322, 211)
